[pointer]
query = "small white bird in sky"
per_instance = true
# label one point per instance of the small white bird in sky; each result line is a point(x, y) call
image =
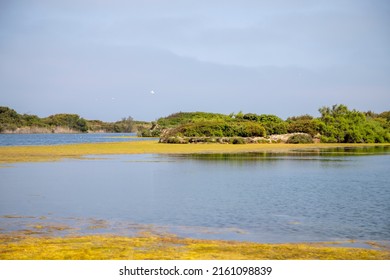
point(152, 92)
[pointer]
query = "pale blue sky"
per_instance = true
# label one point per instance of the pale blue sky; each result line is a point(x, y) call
point(101, 59)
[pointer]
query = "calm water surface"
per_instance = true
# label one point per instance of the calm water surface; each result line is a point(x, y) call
point(319, 195)
point(59, 139)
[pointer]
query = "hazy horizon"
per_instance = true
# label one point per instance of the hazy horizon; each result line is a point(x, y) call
point(147, 59)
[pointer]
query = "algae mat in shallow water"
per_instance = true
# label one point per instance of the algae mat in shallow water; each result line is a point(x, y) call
point(155, 247)
point(12, 154)
point(147, 246)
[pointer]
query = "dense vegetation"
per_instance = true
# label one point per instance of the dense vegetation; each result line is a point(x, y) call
point(337, 124)
point(219, 129)
point(10, 121)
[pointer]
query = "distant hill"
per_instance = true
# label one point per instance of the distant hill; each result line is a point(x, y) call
point(13, 122)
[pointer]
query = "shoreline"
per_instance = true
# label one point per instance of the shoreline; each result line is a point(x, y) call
point(55, 130)
point(150, 246)
point(14, 154)
point(42, 239)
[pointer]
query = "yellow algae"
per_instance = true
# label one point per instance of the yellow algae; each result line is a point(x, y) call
point(153, 247)
point(149, 246)
point(12, 154)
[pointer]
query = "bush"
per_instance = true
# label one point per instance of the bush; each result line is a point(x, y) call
point(175, 140)
point(148, 133)
point(303, 124)
point(218, 129)
point(339, 124)
point(72, 121)
point(180, 118)
point(300, 139)
point(251, 129)
point(237, 140)
point(273, 124)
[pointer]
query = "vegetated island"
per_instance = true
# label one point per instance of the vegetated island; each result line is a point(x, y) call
point(337, 124)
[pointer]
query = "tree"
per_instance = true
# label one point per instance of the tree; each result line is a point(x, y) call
point(127, 124)
point(9, 119)
point(72, 121)
point(350, 126)
point(305, 124)
point(272, 124)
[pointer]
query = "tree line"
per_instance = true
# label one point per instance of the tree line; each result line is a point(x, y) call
point(10, 121)
point(336, 124)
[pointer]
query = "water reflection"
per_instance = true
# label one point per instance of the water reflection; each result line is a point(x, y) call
point(264, 197)
point(59, 139)
point(322, 154)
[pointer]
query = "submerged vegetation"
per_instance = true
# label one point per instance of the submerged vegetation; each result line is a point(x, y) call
point(148, 246)
point(12, 154)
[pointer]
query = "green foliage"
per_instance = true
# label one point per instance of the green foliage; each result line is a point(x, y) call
point(272, 124)
point(10, 120)
point(339, 124)
point(300, 139)
point(71, 121)
point(184, 117)
point(304, 124)
point(250, 117)
point(237, 140)
point(144, 132)
point(151, 131)
point(125, 125)
point(336, 124)
point(219, 129)
point(200, 124)
point(385, 115)
point(32, 120)
point(97, 125)
point(174, 140)
point(239, 115)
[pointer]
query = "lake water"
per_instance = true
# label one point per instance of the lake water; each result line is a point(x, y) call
point(59, 139)
point(318, 195)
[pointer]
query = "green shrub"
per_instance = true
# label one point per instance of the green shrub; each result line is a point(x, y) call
point(218, 129)
point(303, 124)
point(237, 140)
point(300, 139)
point(148, 133)
point(173, 140)
point(339, 124)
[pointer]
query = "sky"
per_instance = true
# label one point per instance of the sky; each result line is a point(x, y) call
point(109, 59)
